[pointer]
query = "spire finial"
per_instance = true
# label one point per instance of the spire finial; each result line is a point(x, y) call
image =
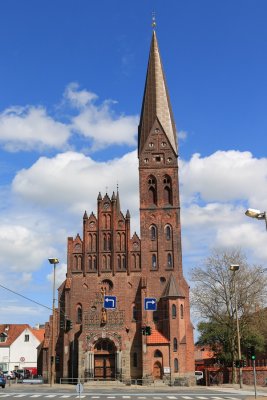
point(154, 20)
point(117, 186)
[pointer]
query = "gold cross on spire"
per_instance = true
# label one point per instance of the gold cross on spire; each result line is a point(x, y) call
point(154, 20)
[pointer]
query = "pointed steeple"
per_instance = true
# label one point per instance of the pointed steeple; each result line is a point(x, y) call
point(118, 201)
point(156, 102)
point(171, 289)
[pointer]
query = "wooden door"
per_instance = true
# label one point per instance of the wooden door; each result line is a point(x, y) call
point(157, 370)
point(104, 366)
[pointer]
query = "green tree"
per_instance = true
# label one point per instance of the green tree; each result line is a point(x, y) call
point(213, 299)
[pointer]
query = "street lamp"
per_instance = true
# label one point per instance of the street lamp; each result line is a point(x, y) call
point(53, 261)
point(234, 268)
point(251, 212)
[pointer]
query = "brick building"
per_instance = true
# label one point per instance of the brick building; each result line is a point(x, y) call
point(93, 341)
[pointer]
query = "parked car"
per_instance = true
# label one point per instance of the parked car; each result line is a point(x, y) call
point(22, 373)
point(9, 374)
point(2, 381)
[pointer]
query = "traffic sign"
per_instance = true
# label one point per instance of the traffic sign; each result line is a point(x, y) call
point(150, 304)
point(110, 302)
point(79, 388)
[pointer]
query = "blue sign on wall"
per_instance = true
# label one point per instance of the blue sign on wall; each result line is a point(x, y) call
point(110, 302)
point(150, 304)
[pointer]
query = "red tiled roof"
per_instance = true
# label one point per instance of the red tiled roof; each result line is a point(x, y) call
point(12, 331)
point(156, 338)
point(39, 334)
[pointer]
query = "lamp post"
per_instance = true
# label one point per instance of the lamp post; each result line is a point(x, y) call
point(251, 212)
point(53, 261)
point(234, 268)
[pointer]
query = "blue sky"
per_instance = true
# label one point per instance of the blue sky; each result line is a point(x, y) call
point(72, 76)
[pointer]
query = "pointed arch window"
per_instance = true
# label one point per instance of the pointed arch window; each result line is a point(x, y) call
point(108, 242)
point(154, 261)
point(167, 189)
point(104, 264)
point(105, 242)
point(119, 262)
point(175, 344)
point(168, 232)
point(152, 190)
point(95, 263)
point(174, 311)
point(169, 260)
point(123, 263)
point(157, 353)
point(153, 232)
point(182, 311)
point(176, 366)
point(79, 314)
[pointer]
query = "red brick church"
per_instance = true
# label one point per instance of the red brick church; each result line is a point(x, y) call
point(108, 267)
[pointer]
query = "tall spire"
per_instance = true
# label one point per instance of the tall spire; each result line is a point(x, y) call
point(156, 102)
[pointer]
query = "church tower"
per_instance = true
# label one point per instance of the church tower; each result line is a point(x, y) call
point(160, 229)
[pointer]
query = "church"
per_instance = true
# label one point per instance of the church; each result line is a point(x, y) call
point(123, 311)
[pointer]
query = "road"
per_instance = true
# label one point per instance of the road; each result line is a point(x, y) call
point(59, 393)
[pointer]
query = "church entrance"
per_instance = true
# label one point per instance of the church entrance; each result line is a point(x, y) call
point(104, 359)
point(157, 370)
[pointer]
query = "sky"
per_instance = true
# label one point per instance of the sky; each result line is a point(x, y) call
point(72, 76)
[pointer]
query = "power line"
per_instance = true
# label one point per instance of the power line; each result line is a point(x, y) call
point(27, 298)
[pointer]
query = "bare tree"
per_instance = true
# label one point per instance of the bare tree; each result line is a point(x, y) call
point(213, 295)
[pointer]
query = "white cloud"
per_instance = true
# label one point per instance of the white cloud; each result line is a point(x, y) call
point(72, 181)
point(30, 128)
point(225, 176)
point(30, 248)
point(60, 274)
point(78, 98)
point(99, 122)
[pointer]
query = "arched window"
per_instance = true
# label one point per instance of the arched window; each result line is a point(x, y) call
point(104, 263)
point(176, 369)
point(173, 311)
point(169, 260)
point(119, 262)
point(152, 190)
point(94, 243)
point(168, 232)
point(90, 263)
point(153, 232)
point(157, 353)
point(118, 241)
point(105, 242)
point(123, 262)
point(90, 242)
point(108, 242)
point(167, 185)
point(123, 241)
point(138, 261)
point(154, 261)
point(175, 345)
point(182, 311)
point(79, 314)
point(95, 263)
point(108, 262)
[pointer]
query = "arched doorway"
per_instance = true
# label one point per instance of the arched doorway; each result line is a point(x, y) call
point(104, 359)
point(157, 370)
